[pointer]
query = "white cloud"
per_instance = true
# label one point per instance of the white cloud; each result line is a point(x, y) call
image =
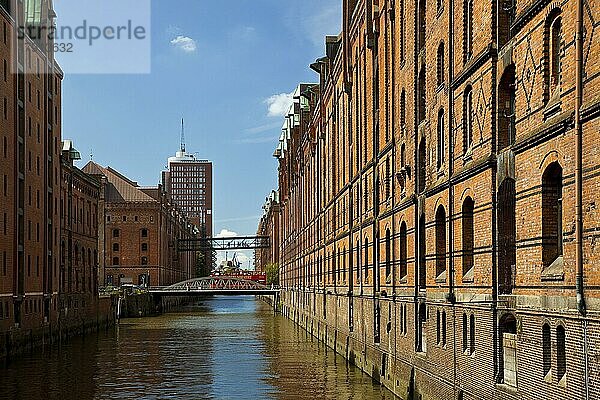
point(279, 104)
point(226, 233)
point(185, 44)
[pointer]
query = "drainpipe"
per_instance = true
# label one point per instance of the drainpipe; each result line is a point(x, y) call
point(579, 188)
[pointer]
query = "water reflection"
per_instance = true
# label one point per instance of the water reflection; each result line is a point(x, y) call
point(222, 348)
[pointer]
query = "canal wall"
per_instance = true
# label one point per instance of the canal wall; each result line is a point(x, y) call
point(98, 315)
point(348, 324)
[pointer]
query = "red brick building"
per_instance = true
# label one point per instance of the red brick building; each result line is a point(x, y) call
point(268, 226)
point(30, 147)
point(78, 274)
point(140, 229)
point(438, 197)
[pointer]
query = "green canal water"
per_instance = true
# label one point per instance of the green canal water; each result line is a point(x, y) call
point(220, 348)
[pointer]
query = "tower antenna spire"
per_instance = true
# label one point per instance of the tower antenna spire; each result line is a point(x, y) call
point(182, 136)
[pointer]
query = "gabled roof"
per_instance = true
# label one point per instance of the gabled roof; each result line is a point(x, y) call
point(120, 188)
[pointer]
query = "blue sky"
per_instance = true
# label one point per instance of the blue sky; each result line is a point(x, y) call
point(217, 64)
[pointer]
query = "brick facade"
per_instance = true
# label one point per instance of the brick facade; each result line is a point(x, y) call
point(268, 226)
point(45, 201)
point(140, 228)
point(428, 198)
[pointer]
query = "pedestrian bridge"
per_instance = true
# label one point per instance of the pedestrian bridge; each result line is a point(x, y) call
point(215, 285)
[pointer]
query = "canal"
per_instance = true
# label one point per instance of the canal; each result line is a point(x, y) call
point(220, 348)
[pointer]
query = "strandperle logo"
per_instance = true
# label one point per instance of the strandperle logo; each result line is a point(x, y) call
point(92, 36)
point(85, 31)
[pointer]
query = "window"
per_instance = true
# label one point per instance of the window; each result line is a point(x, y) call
point(422, 16)
point(124, 218)
point(552, 46)
point(403, 112)
point(388, 258)
point(144, 260)
point(508, 344)
point(116, 232)
point(403, 248)
point(115, 261)
point(467, 238)
point(507, 234)
point(422, 165)
point(422, 329)
point(546, 350)
point(421, 95)
point(468, 30)
point(115, 247)
point(441, 145)
point(144, 246)
point(440, 65)
point(444, 329)
point(552, 243)
point(422, 255)
point(440, 243)
point(506, 104)
point(366, 260)
point(439, 328)
point(472, 334)
point(144, 232)
point(402, 32)
point(561, 353)
point(468, 119)
point(465, 334)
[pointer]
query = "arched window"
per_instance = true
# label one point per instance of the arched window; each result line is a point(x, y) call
point(440, 65)
point(552, 39)
point(508, 355)
point(115, 246)
point(561, 352)
point(552, 243)
point(76, 255)
point(116, 233)
point(506, 104)
point(440, 243)
point(388, 257)
point(546, 350)
point(441, 142)
point(468, 30)
point(505, 20)
point(403, 248)
point(467, 238)
point(468, 119)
